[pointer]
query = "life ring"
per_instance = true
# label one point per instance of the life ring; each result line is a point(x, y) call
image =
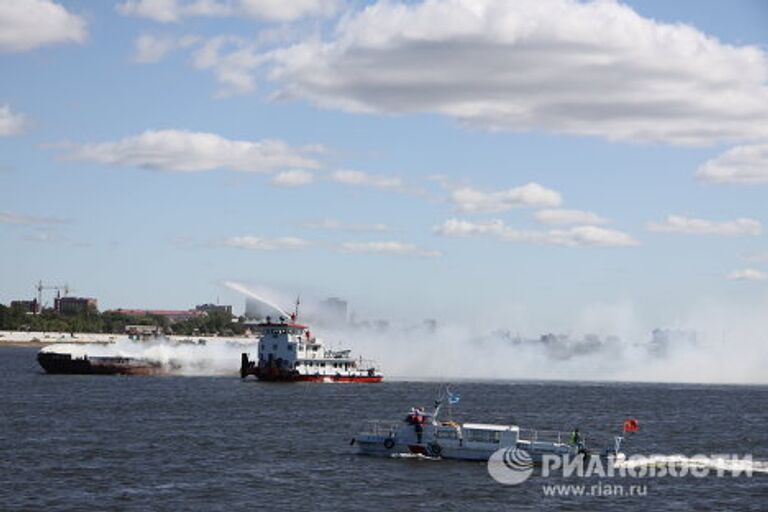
point(389, 443)
point(434, 449)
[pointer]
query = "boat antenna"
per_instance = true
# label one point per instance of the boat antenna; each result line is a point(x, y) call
point(450, 403)
point(296, 311)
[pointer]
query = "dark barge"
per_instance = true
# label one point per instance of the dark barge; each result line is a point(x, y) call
point(63, 363)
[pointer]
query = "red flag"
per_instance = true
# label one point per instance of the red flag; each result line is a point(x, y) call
point(631, 425)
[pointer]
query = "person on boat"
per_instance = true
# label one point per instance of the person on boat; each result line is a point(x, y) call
point(576, 440)
point(416, 418)
point(418, 422)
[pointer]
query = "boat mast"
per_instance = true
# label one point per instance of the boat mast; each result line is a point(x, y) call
point(296, 309)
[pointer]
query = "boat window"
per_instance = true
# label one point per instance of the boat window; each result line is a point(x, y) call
point(447, 434)
point(483, 436)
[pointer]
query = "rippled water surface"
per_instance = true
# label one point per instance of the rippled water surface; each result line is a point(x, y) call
point(216, 443)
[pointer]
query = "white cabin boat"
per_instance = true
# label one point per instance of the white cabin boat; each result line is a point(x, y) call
point(288, 352)
point(424, 434)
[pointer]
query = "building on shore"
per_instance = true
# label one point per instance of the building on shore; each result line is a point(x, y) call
point(172, 315)
point(214, 308)
point(75, 305)
point(143, 332)
point(30, 307)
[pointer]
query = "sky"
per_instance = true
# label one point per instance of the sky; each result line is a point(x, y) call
point(539, 164)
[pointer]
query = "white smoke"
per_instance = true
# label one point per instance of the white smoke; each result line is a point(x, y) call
point(731, 346)
point(260, 296)
point(214, 357)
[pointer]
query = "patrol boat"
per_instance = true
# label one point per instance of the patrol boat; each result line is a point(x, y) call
point(289, 352)
point(421, 433)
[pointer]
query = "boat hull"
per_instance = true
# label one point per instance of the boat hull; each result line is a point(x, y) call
point(380, 446)
point(319, 378)
point(383, 445)
point(57, 363)
point(272, 374)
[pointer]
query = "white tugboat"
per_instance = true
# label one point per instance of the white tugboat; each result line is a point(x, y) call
point(288, 352)
point(422, 433)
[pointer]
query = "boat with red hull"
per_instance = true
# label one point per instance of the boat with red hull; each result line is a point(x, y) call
point(288, 352)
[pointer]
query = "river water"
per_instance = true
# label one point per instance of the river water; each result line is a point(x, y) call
point(216, 443)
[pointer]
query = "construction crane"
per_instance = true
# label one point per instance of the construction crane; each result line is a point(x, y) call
point(59, 289)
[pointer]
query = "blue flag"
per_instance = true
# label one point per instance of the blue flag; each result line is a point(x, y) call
point(453, 398)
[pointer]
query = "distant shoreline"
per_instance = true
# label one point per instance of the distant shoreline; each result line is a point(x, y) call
point(42, 339)
point(22, 344)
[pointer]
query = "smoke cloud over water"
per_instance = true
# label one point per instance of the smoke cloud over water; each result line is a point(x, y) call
point(452, 352)
point(715, 342)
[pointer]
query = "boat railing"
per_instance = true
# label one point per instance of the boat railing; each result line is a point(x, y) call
point(535, 435)
point(366, 363)
point(379, 427)
point(337, 354)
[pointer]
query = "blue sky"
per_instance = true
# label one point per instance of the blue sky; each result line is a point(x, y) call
point(405, 117)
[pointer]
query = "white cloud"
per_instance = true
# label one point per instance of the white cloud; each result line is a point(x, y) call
point(757, 257)
point(52, 237)
point(692, 226)
point(590, 235)
point(282, 10)
point(28, 24)
point(457, 227)
point(562, 216)
point(532, 195)
point(185, 151)
point(748, 274)
point(255, 243)
point(579, 236)
point(389, 247)
point(11, 123)
point(166, 11)
point(43, 236)
point(151, 48)
point(7, 217)
point(233, 62)
point(295, 178)
point(362, 179)
point(746, 165)
point(587, 68)
point(335, 225)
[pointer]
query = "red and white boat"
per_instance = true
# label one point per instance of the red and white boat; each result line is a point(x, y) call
point(289, 352)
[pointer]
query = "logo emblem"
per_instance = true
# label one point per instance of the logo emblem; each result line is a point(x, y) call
point(510, 466)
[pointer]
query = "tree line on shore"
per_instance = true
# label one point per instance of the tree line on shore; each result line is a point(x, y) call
point(211, 323)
